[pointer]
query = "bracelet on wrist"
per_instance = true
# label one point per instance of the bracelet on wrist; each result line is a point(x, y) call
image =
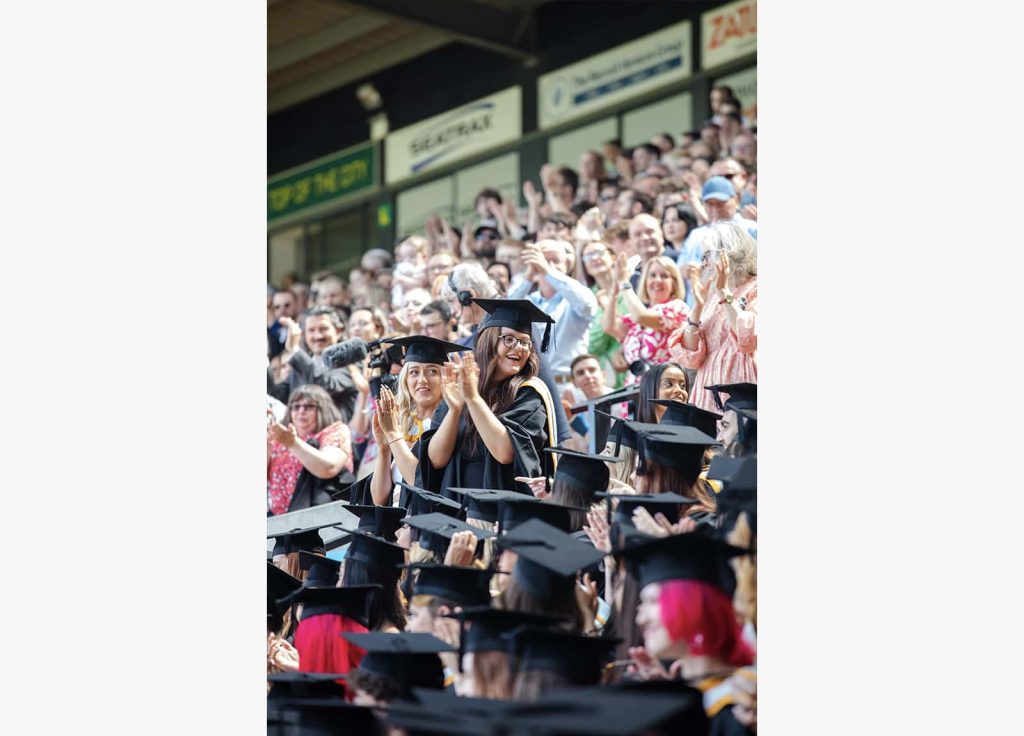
point(692, 323)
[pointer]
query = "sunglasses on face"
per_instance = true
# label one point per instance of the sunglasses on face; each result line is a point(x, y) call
point(303, 407)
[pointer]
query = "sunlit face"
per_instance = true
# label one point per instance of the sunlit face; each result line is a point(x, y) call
point(361, 325)
point(423, 380)
point(512, 359)
point(415, 300)
point(645, 237)
point(588, 377)
point(657, 640)
point(719, 210)
point(440, 264)
point(727, 428)
point(512, 256)
point(403, 537)
point(672, 386)
point(624, 205)
point(497, 272)
point(597, 258)
point(433, 325)
point(420, 620)
point(675, 228)
point(661, 284)
point(283, 304)
point(642, 158)
point(320, 333)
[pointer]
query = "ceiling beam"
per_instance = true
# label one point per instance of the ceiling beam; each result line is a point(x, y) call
point(327, 38)
point(355, 69)
point(484, 26)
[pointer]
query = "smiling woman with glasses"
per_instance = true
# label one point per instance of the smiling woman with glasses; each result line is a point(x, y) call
point(499, 417)
point(308, 445)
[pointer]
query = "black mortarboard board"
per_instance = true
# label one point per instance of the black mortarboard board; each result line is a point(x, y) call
point(488, 626)
point(741, 395)
point(423, 349)
point(739, 494)
point(690, 556)
point(464, 586)
point(381, 557)
point(673, 446)
point(279, 585)
point(419, 501)
point(687, 415)
point(305, 685)
point(722, 467)
point(316, 529)
point(583, 470)
point(482, 503)
point(320, 717)
point(548, 557)
point(349, 600)
point(514, 511)
point(519, 314)
point(436, 531)
point(746, 427)
point(579, 658)
point(323, 572)
point(666, 503)
point(409, 660)
point(381, 521)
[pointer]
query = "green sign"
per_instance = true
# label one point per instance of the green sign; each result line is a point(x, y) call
point(330, 180)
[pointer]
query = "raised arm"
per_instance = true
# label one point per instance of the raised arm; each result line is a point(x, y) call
point(492, 431)
point(387, 417)
point(325, 462)
point(442, 444)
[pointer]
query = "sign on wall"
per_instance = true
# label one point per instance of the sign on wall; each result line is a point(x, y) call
point(744, 86)
point(619, 74)
point(443, 139)
point(728, 33)
point(328, 181)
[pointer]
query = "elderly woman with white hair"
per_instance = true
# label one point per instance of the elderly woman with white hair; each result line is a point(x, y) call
point(719, 338)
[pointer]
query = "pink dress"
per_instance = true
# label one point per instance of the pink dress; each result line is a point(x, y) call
point(723, 355)
point(285, 468)
point(648, 343)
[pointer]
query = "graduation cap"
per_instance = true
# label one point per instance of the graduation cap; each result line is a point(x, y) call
point(518, 314)
point(381, 557)
point(666, 503)
point(584, 470)
point(687, 415)
point(408, 660)
point(423, 349)
point(381, 521)
point(319, 528)
point(548, 557)
point(741, 395)
point(352, 601)
point(597, 416)
point(320, 717)
point(673, 446)
point(514, 511)
point(419, 501)
point(436, 531)
point(305, 685)
point(323, 572)
point(746, 426)
point(279, 585)
point(690, 556)
point(464, 586)
point(723, 467)
point(482, 503)
point(488, 627)
point(576, 657)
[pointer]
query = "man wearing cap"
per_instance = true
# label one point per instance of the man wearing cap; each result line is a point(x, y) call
point(567, 301)
point(722, 203)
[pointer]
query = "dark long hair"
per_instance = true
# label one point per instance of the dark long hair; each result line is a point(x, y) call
point(498, 395)
point(568, 494)
point(385, 607)
point(516, 598)
point(649, 390)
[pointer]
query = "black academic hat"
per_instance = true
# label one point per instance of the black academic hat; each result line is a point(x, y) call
point(423, 349)
point(548, 557)
point(514, 511)
point(723, 467)
point(482, 503)
point(464, 586)
point(418, 502)
point(279, 585)
point(673, 446)
point(436, 531)
point(381, 557)
point(519, 314)
point(746, 427)
point(687, 415)
point(305, 685)
point(689, 556)
point(741, 395)
point(579, 658)
point(323, 572)
point(352, 601)
point(666, 503)
point(409, 660)
point(583, 470)
point(320, 717)
point(488, 626)
point(380, 521)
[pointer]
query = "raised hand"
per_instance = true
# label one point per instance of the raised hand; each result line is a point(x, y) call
point(531, 195)
point(597, 529)
point(722, 271)
point(537, 485)
point(469, 377)
point(461, 550)
point(294, 339)
point(588, 599)
point(450, 388)
point(621, 268)
point(387, 413)
point(287, 436)
point(655, 526)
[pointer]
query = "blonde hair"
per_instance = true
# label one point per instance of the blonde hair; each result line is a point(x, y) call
point(745, 597)
point(669, 265)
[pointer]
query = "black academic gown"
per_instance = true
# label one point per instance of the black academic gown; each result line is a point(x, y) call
point(527, 424)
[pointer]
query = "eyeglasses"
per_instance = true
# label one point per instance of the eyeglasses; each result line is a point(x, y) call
point(304, 407)
point(727, 176)
point(595, 254)
point(510, 341)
